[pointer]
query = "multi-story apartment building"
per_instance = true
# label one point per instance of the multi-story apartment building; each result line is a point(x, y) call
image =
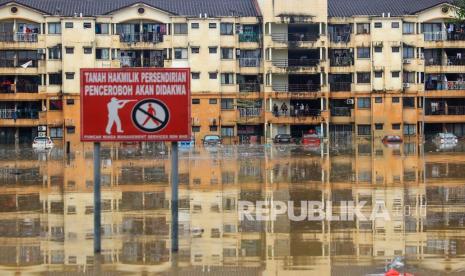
point(259, 68)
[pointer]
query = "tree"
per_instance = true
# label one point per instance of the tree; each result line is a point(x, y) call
point(459, 7)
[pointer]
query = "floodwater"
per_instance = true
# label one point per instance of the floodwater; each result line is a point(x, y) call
point(46, 205)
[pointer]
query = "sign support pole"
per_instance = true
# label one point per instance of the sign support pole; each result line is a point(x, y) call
point(97, 200)
point(174, 197)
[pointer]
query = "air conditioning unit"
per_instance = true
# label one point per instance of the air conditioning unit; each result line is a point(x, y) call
point(406, 85)
point(407, 61)
point(350, 101)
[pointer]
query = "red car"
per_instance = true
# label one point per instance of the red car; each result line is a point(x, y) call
point(311, 138)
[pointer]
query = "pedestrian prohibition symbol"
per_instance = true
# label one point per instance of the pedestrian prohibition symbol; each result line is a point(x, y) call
point(150, 115)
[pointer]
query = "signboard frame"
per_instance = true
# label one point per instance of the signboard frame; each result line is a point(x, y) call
point(188, 123)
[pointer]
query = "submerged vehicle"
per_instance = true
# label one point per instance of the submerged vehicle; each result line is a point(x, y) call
point(42, 143)
point(311, 138)
point(391, 139)
point(445, 138)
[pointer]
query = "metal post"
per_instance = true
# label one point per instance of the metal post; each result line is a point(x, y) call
point(174, 197)
point(97, 199)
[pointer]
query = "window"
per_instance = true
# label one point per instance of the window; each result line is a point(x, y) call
point(363, 129)
point(69, 75)
point(70, 129)
point(378, 25)
point(195, 128)
point(213, 128)
point(54, 53)
point(87, 25)
point(212, 25)
point(102, 28)
point(69, 50)
point(227, 104)
point(408, 28)
point(378, 74)
point(195, 101)
point(363, 28)
point(194, 25)
point(180, 28)
point(54, 28)
point(56, 132)
point(363, 102)
point(213, 75)
point(378, 49)
point(379, 126)
point(55, 105)
point(409, 77)
point(395, 74)
point(363, 52)
point(395, 126)
point(69, 25)
point(195, 50)
point(378, 99)
point(212, 101)
point(227, 78)
point(408, 52)
point(226, 28)
point(227, 131)
point(69, 101)
point(87, 50)
point(102, 53)
point(212, 50)
point(180, 53)
point(227, 53)
point(363, 77)
point(395, 25)
point(395, 49)
point(410, 129)
point(195, 75)
point(408, 102)
point(395, 99)
point(55, 79)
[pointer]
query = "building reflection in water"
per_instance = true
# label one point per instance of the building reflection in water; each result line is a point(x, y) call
point(46, 206)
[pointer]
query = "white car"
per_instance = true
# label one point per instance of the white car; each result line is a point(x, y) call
point(42, 143)
point(445, 138)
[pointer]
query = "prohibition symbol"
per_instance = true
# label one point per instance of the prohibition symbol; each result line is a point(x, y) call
point(150, 115)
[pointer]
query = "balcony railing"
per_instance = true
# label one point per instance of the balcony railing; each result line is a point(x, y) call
point(27, 88)
point(249, 62)
point(18, 114)
point(339, 37)
point(18, 37)
point(449, 61)
point(450, 85)
point(249, 37)
point(138, 62)
point(341, 61)
point(295, 37)
point(433, 61)
point(450, 110)
point(285, 63)
point(297, 111)
point(340, 86)
point(141, 37)
point(340, 111)
point(443, 35)
point(249, 87)
point(249, 112)
point(10, 63)
point(296, 87)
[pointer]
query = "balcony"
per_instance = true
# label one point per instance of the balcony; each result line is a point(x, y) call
point(249, 37)
point(249, 87)
point(296, 65)
point(449, 110)
point(295, 39)
point(448, 85)
point(249, 62)
point(252, 115)
point(339, 33)
point(340, 86)
point(444, 36)
point(296, 88)
point(127, 61)
point(18, 37)
point(296, 116)
point(339, 61)
point(141, 37)
point(341, 111)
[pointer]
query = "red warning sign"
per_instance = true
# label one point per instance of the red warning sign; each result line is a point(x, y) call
point(135, 104)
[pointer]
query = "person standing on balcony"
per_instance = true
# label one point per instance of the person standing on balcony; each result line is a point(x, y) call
point(284, 109)
point(275, 110)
